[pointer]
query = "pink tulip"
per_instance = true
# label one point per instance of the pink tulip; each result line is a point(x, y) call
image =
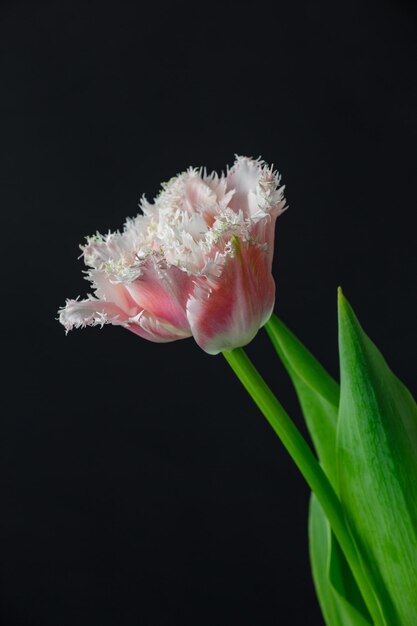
point(197, 262)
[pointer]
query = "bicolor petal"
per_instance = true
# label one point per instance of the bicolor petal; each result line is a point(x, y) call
point(227, 310)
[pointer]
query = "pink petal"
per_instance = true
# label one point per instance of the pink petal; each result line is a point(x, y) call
point(163, 292)
point(227, 310)
point(110, 291)
point(263, 231)
point(155, 329)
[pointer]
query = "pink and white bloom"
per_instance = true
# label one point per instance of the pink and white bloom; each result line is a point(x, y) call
point(196, 262)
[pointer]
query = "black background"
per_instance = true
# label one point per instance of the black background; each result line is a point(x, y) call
point(139, 485)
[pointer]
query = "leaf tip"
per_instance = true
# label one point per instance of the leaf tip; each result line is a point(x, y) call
point(340, 296)
point(345, 310)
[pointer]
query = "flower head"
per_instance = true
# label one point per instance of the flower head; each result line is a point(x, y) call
point(196, 262)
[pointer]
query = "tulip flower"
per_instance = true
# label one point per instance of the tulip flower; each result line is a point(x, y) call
point(196, 262)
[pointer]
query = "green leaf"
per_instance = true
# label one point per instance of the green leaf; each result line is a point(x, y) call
point(377, 468)
point(317, 392)
point(331, 574)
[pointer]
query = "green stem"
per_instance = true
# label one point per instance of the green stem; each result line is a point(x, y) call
point(308, 465)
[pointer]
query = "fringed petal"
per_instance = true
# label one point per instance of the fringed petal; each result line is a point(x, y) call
point(255, 188)
point(90, 312)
